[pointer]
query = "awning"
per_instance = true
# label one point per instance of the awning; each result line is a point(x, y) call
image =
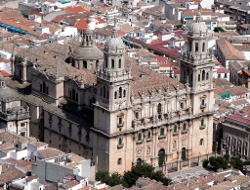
point(12, 28)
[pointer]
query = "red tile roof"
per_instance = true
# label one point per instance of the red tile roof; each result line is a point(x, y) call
point(222, 70)
point(240, 117)
point(81, 24)
point(4, 73)
point(100, 20)
point(77, 9)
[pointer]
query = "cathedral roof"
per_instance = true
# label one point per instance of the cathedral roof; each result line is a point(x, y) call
point(87, 53)
point(146, 81)
point(198, 27)
point(114, 44)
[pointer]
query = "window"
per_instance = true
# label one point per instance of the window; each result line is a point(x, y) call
point(219, 75)
point(162, 132)
point(207, 76)
point(120, 141)
point(120, 120)
point(175, 129)
point(184, 127)
point(120, 92)
point(120, 63)
point(104, 92)
point(201, 142)
point(196, 46)
point(203, 75)
point(203, 102)
point(159, 108)
point(115, 95)
point(149, 135)
point(124, 93)
point(113, 64)
point(181, 105)
point(202, 122)
point(119, 161)
point(199, 77)
point(139, 137)
point(97, 64)
point(136, 115)
point(225, 75)
point(203, 47)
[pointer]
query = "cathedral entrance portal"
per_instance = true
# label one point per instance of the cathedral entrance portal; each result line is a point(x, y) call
point(161, 157)
point(183, 153)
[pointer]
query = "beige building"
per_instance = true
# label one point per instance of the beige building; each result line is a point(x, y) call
point(123, 114)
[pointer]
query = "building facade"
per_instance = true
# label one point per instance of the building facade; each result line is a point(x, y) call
point(123, 114)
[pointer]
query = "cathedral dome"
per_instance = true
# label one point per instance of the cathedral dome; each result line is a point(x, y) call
point(114, 44)
point(198, 27)
point(87, 53)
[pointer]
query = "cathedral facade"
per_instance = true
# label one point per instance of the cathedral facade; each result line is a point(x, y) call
point(103, 106)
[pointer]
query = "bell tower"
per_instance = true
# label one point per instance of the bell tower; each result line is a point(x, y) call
point(112, 110)
point(197, 67)
point(114, 78)
point(197, 63)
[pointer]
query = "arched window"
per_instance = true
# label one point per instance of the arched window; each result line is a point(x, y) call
point(96, 63)
point(101, 92)
point(119, 161)
point(159, 108)
point(113, 63)
point(120, 63)
point(124, 93)
point(120, 92)
point(183, 154)
point(115, 95)
point(175, 129)
point(207, 76)
point(139, 137)
point(203, 75)
point(139, 161)
point(201, 142)
point(199, 77)
point(149, 135)
point(203, 47)
point(196, 47)
point(159, 111)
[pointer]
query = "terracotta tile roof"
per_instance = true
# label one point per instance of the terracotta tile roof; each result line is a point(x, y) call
point(81, 24)
point(69, 184)
point(237, 90)
point(38, 144)
point(100, 20)
point(126, 28)
point(50, 152)
point(106, 31)
point(223, 70)
point(10, 175)
point(229, 51)
point(4, 73)
point(76, 9)
point(192, 12)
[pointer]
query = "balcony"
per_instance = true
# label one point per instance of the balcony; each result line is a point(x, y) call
point(120, 124)
point(120, 146)
point(203, 126)
point(183, 131)
point(203, 106)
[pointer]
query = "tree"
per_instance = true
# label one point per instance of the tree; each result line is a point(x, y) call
point(130, 177)
point(218, 163)
point(205, 163)
point(237, 163)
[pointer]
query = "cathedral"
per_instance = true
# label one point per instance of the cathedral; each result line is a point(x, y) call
point(103, 106)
